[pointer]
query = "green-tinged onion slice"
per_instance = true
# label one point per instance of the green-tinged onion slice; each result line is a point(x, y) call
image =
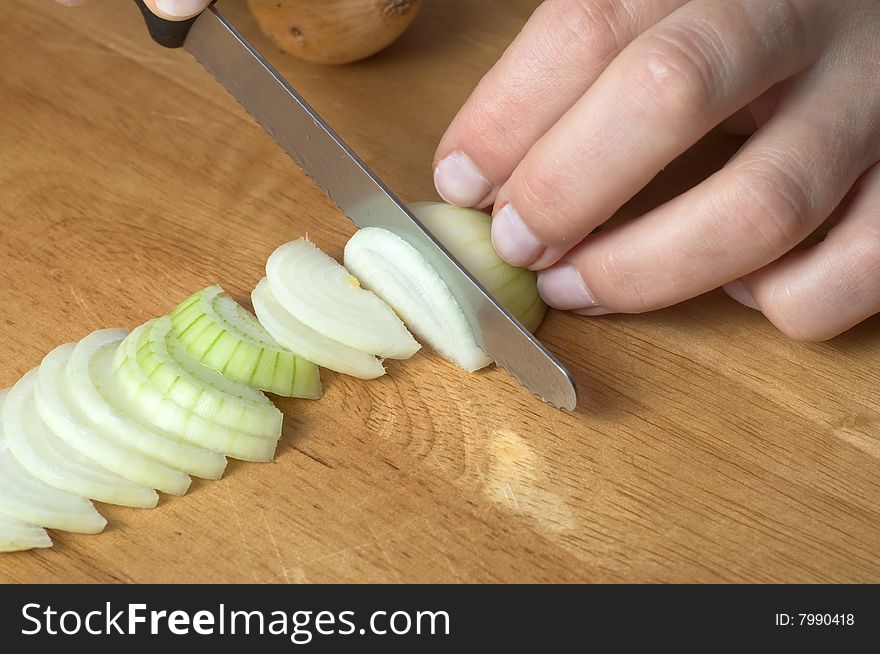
point(195, 387)
point(219, 333)
point(149, 406)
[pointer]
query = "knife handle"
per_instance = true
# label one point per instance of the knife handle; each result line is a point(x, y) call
point(168, 33)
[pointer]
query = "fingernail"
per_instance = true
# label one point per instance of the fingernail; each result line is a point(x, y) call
point(563, 287)
point(458, 181)
point(512, 238)
point(738, 291)
point(180, 8)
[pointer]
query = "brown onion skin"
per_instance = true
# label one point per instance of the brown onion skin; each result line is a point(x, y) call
point(333, 31)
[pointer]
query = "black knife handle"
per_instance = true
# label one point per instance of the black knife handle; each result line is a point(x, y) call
point(169, 33)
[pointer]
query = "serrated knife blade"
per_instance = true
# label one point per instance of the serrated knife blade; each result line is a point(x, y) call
point(364, 198)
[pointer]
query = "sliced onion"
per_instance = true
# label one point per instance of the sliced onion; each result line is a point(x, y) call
point(320, 293)
point(48, 458)
point(112, 450)
point(26, 498)
point(396, 272)
point(96, 394)
point(467, 234)
point(195, 387)
point(216, 331)
point(145, 404)
point(17, 536)
point(308, 343)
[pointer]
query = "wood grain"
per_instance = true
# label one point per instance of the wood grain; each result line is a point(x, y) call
point(706, 447)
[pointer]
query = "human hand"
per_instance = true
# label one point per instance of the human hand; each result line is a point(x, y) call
point(595, 97)
point(170, 9)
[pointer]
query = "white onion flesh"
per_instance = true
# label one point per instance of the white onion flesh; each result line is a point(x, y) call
point(93, 389)
point(309, 344)
point(63, 416)
point(146, 405)
point(17, 535)
point(322, 294)
point(26, 498)
point(467, 234)
point(51, 460)
point(396, 272)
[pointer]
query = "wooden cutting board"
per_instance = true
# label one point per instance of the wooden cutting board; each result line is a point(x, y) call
point(706, 447)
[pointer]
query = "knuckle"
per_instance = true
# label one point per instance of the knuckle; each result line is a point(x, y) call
point(681, 70)
point(774, 211)
point(496, 120)
point(785, 23)
point(594, 26)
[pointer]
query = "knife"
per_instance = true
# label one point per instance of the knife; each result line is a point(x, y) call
point(356, 190)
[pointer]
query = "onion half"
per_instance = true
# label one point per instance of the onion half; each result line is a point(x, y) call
point(467, 234)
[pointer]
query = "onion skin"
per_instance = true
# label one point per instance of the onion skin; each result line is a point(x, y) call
point(333, 31)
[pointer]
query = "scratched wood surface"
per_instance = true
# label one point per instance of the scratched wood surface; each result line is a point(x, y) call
point(706, 446)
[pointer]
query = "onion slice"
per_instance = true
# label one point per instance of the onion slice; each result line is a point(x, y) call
point(148, 406)
point(112, 450)
point(17, 536)
point(219, 333)
point(196, 388)
point(396, 272)
point(320, 293)
point(96, 394)
point(48, 458)
point(26, 498)
point(305, 341)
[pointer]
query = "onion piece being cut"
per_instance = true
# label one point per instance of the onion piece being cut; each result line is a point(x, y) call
point(24, 497)
point(467, 234)
point(221, 334)
point(305, 341)
point(195, 387)
point(17, 536)
point(322, 294)
point(48, 458)
point(148, 406)
point(396, 272)
point(62, 415)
